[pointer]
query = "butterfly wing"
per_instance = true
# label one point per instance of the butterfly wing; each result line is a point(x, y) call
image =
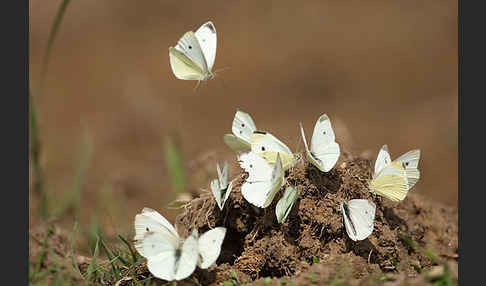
point(227, 193)
point(410, 161)
point(183, 67)
point(391, 182)
point(263, 181)
point(206, 36)
point(382, 160)
point(413, 175)
point(323, 133)
point(303, 138)
point(236, 144)
point(209, 245)
point(223, 177)
point(285, 204)
point(324, 149)
point(259, 174)
point(360, 215)
point(257, 168)
point(216, 190)
point(151, 221)
point(160, 252)
point(190, 47)
point(268, 146)
point(188, 258)
point(276, 182)
point(243, 126)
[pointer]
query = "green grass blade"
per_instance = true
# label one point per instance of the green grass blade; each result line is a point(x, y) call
point(109, 254)
point(34, 148)
point(173, 160)
point(42, 256)
point(75, 263)
point(93, 265)
point(50, 41)
point(133, 254)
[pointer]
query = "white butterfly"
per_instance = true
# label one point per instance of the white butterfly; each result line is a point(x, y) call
point(391, 182)
point(193, 57)
point(243, 128)
point(358, 216)
point(409, 161)
point(169, 257)
point(324, 151)
point(268, 146)
point(285, 204)
point(263, 180)
point(220, 187)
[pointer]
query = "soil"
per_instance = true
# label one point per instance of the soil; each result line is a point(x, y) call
point(256, 246)
point(312, 246)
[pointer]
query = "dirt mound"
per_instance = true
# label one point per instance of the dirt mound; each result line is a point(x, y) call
point(313, 237)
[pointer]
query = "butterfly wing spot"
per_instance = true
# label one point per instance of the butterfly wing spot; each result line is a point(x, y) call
point(242, 124)
point(324, 132)
point(263, 148)
point(251, 166)
point(241, 131)
point(190, 47)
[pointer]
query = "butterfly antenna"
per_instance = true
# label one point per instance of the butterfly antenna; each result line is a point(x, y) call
point(221, 69)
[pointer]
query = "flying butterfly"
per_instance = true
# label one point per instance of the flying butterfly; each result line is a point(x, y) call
point(324, 151)
point(193, 56)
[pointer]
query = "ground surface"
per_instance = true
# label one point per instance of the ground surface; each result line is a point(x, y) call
point(410, 238)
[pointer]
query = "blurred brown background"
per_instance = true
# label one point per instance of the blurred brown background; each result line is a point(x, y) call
point(384, 71)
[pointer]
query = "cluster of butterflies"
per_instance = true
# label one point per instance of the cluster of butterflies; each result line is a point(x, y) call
point(265, 158)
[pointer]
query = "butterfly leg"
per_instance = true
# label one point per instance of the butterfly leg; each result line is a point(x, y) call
point(197, 85)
